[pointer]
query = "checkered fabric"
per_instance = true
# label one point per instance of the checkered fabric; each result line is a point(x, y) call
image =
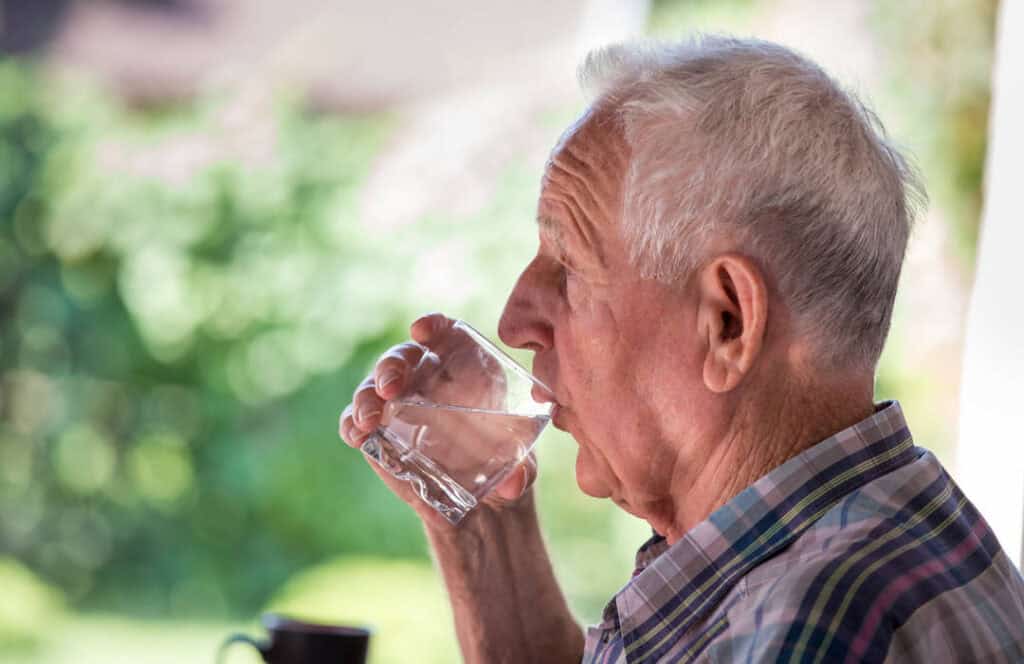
point(860, 549)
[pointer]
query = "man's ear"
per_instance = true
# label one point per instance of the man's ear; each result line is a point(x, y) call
point(732, 316)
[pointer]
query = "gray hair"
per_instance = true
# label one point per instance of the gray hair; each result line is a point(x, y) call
point(745, 139)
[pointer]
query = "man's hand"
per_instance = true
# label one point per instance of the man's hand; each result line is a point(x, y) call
point(505, 600)
point(389, 377)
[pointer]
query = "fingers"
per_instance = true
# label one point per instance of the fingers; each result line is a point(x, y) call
point(429, 327)
point(393, 368)
point(367, 406)
point(362, 415)
point(347, 429)
point(387, 380)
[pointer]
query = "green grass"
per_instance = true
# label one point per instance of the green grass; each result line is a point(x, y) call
point(112, 639)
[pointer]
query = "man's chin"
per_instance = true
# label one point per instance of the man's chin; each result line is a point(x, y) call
point(587, 480)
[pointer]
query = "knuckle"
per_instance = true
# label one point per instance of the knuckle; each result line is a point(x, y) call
point(390, 361)
point(430, 317)
point(399, 356)
point(365, 390)
point(361, 388)
point(427, 326)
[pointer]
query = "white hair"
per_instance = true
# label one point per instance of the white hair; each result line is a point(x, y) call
point(745, 139)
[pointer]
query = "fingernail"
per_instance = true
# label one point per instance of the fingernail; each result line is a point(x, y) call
point(386, 379)
point(363, 416)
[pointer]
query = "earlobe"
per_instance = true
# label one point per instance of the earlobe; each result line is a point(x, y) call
point(733, 317)
point(717, 378)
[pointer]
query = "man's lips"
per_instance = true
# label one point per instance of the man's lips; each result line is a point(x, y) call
point(543, 395)
point(558, 418)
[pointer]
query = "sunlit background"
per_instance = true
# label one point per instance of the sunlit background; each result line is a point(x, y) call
point(214, 215)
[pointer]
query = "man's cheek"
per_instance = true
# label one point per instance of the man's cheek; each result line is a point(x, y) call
point(596, 335)
point(605, 319)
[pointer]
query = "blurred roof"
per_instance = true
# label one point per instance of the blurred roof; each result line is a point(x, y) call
point(347, 54)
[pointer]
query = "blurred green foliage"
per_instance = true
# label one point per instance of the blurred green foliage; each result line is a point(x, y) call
point(26, 606)
point(939, 64)
point(363, 591)
point(180, 333)
point(176, 349)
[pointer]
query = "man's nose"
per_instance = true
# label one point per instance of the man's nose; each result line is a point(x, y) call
point(523, 323)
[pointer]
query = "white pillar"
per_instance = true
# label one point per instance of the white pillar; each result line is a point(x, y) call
point(990, 454)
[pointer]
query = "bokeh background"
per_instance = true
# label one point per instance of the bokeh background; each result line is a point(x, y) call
point(214, 215)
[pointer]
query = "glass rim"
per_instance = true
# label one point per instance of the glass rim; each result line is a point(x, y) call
point(503, 357)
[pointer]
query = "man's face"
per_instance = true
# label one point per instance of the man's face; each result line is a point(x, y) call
point(620, 352)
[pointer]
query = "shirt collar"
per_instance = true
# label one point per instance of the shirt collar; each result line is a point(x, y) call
point(677, 585)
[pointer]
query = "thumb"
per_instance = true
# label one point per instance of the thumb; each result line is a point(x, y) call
point(519, 480)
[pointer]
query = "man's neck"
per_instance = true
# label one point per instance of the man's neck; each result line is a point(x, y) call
point(760, 437)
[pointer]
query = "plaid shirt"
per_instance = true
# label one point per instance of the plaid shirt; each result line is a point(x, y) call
point(861, 548)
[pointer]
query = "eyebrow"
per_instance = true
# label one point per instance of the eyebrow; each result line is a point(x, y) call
point(553, 227)
point(557, 232)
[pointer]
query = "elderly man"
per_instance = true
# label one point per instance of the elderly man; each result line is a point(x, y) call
point(721, 236)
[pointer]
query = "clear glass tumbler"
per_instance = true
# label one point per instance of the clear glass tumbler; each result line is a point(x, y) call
point(467, 416)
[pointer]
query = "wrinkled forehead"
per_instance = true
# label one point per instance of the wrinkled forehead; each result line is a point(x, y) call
point(596, 137)
point(582, 188)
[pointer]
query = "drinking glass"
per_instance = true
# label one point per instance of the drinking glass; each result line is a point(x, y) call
point(466, 417)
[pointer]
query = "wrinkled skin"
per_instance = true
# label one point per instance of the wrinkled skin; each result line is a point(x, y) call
point(613, 346)
point(678, 395)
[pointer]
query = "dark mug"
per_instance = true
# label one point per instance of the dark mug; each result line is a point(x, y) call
point(297, 642)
